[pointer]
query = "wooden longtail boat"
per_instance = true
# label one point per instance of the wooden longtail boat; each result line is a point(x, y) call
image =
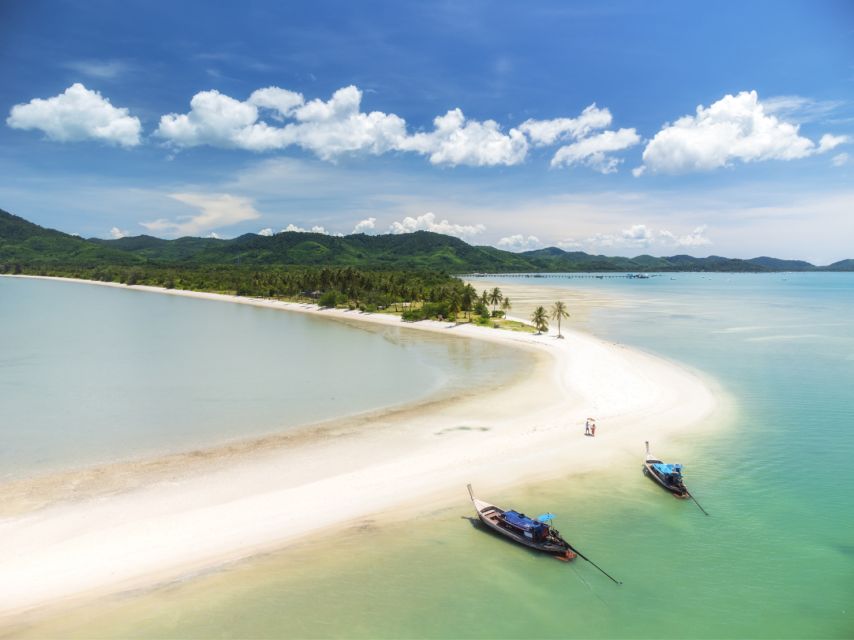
point(668, 476)
point(522, 529)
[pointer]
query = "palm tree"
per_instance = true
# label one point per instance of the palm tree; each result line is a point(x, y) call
point(468, 298)
point(495, 296)
point(506, 306)
point(558, 312)
point(485, 298)
point(454, 303)
point(540, 320)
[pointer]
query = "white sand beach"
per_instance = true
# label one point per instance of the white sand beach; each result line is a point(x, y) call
point(113, 535)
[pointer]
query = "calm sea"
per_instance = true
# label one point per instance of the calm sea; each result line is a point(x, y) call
point(774, 560)
point(91, 374)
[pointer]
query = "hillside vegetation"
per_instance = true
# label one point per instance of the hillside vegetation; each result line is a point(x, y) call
point(25, 246)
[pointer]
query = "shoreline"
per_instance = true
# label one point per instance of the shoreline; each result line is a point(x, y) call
point(229, 509)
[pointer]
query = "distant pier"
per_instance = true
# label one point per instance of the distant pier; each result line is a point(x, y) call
point(593, 276)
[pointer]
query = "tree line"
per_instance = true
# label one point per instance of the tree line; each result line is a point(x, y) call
point(417, 295)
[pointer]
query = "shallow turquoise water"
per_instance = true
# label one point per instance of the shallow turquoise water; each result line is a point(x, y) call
point(774, 560)
point(91, 374)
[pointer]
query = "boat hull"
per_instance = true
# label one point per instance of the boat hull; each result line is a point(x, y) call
point(492, 517)
point(677, 491)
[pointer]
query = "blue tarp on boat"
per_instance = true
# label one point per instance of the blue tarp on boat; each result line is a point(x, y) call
point(522, 521)
point(668, 469)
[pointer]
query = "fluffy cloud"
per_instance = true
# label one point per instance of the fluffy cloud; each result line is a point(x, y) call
point(282, 101)
point(266, 232)
point(593, 150)
point(697, 238)
point(215, 210)
point(116, 233)
point(548, 132)
point(275, 118)
point(427, 222)
point(328, 129)
point(363, 226)
point(75, 115)
point(733, 128)
point(456, 140)
point(314, 229)
point(518, 242)
point(214, 119)
point(640, 237)
point(829, 142)
point(339, 126)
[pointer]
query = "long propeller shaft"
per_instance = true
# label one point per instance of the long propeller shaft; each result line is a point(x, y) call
point(583, 557)
point(698, 504)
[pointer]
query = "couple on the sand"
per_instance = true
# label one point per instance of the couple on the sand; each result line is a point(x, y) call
point(590, 427)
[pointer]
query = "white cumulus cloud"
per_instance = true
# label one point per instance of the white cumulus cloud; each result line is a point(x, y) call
point(314, 229)
point(548, 132)
point(456, 140)
point(116, 233)
point(214, 211)
point(641, 236)
point(736, 127)
point(282, 101)
point(75, 115)
point(518, 242)
point(428, 222)
point(326, 128)
point(637, 235)
point(266, 232)
point(273, 118)
point(363, 226)
point(697, 238)
point(594, 150)
point(828, 142)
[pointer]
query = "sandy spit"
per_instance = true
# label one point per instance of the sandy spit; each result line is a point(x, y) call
point(149, 525)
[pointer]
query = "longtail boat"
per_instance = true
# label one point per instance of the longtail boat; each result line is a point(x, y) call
point(668, 476)
point(533, 533)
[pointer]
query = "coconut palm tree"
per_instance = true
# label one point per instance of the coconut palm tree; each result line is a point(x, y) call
point(540, 320)
point(454, 303)
point(559, 312)
point(468, 299)
point(495, 296)
point(506, 306)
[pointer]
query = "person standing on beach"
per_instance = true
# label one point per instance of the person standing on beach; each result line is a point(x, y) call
point(587, 427)
point(593, 429)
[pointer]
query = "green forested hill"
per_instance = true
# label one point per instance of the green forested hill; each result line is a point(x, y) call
point(24, 244)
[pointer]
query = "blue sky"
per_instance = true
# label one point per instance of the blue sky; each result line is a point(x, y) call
point(566, 124)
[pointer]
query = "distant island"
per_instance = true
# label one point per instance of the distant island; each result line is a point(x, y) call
point(28, 248)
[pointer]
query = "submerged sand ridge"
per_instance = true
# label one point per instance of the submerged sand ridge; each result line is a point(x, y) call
point(237, 506)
